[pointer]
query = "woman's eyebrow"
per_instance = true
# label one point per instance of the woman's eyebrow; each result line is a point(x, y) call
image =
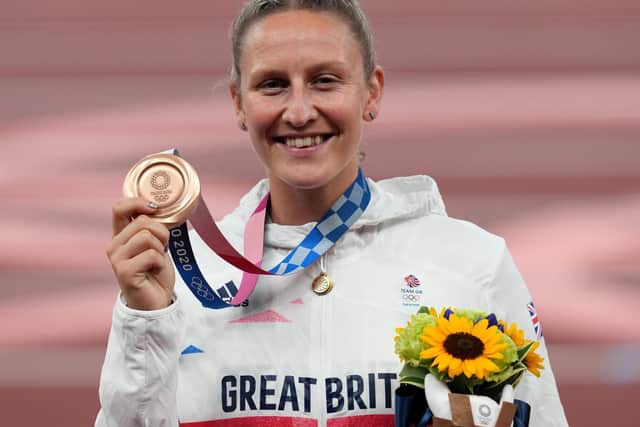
point(331, 65)
point(261, 72)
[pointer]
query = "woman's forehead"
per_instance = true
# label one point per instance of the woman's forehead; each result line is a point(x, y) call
point(303, 18)
point(299, 27)
point(299, 34)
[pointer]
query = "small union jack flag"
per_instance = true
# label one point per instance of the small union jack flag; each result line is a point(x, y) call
point(412, 281)
point(534, 319)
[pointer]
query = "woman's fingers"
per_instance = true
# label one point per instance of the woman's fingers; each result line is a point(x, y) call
point(137, 253)
point(153, 229)
point(149, 280)
point(127, 208)
point(135, 269)
point(144, 239)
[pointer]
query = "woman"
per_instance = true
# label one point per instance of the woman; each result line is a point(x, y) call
point(304, 83)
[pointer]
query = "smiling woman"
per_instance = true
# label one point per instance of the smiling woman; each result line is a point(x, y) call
point(303, 93)
point(304, 84)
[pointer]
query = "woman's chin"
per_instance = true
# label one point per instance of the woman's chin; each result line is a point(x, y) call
point(304, 182)
point(314, 176)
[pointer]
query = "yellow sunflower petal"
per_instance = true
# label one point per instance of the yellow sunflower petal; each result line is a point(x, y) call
point(462, 324)
point(516, 335)
point(430, 353)
point(469, 369)
point(487, 364)
point(454, 372)
point(433, 333)
point(455, 363)
point(480, 327)
point(533, 361)
point(444, 326)
point(442, 359)
point(431, 341)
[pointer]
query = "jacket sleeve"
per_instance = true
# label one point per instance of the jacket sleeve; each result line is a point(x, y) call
point(139, 377)
point(509, 296)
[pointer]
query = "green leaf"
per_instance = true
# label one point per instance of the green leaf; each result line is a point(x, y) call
point(413, 372)
point(524, 350)
point(415, 381)
point(473, 315)
point(423, 310)
point(441, 376)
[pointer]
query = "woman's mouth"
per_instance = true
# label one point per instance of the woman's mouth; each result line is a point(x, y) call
point(302, 141)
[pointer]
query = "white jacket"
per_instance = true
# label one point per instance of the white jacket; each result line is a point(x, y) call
point(291, 357)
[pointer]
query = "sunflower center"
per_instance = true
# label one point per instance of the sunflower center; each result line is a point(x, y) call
point(463, 345)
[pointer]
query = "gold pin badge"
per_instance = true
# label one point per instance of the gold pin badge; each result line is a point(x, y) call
point(167, 180)
point(322, 284)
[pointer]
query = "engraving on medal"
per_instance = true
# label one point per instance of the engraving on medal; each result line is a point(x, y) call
point(160, 180)
point(167, 180)
point(322, 284)
point(161, 183)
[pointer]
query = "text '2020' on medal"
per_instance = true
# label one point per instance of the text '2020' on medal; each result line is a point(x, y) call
point(167, 180)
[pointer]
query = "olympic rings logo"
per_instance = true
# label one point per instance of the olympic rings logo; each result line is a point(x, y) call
point(200, 288)
point(410, 298)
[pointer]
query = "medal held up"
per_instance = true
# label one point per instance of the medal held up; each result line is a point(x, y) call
point(167, 180)
point(171, 183)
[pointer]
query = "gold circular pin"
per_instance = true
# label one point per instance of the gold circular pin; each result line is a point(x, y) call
point(167, 180)
point(322, 284)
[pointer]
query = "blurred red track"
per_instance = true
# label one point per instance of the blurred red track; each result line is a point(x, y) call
point(528, 115)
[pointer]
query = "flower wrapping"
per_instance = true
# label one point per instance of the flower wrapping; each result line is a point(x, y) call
point(469, 352)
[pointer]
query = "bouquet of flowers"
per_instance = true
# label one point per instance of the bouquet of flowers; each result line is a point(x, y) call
point(467, 352)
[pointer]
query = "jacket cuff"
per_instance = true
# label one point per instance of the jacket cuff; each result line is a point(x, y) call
point(123, 310)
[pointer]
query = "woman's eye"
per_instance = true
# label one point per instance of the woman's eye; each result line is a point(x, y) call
point(272, 85)
point(325, 81)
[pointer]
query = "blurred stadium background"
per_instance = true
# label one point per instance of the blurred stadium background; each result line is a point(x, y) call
point(527, 114)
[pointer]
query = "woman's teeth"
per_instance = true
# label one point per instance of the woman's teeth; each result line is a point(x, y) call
point(307, 141)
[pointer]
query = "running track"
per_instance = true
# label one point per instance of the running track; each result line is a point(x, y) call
point(528, 115)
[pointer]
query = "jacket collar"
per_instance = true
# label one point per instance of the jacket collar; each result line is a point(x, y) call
point(391, 200)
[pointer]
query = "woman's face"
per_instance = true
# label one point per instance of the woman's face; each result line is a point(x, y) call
point(304, 96)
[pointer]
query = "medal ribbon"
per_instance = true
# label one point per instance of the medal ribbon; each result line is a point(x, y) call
point(331, 227)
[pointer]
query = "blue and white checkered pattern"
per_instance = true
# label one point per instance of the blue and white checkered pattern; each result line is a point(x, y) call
point(344, 212)
point(324, 235)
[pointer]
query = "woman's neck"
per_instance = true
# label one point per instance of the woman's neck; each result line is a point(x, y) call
point(295, 206)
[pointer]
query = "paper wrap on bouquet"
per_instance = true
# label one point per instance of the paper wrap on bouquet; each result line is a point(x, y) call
point(446, 409)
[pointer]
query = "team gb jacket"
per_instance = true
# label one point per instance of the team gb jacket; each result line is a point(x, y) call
point(288, 357)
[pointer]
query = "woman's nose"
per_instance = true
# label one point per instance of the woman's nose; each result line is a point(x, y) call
point(300, 108)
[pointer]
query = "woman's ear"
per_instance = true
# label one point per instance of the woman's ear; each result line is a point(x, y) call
point(234, 91)
point(376, 91)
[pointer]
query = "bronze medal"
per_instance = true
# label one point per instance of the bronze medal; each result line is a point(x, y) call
point(167, 180)
point(322, 284)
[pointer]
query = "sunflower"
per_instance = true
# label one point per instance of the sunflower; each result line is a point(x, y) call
point(533, 361)
point(516, 335)
point(458, 346)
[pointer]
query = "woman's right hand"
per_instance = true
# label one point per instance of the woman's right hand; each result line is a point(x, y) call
point(138, 255)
